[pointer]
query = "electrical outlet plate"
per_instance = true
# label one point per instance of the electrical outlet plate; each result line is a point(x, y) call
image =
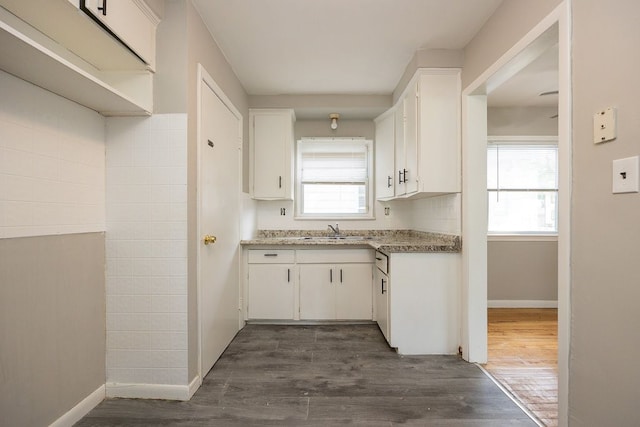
point(604, 125)
point(625, 175)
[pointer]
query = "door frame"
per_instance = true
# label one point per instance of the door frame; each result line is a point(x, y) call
point(474, 193)
point(203, 77)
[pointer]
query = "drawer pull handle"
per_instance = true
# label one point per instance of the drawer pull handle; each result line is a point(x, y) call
point(382, 287)
point(340, 275)
point(331, 276)
point(270, 254)
point(288, 275)
point(379, 259)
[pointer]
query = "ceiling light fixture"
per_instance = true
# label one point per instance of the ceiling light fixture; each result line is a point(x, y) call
point(334, 120)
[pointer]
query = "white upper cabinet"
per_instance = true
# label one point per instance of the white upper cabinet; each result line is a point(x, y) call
point(384, 151)
point(439, 132)
point(271, 154)
point(54, 45)
point(131, 22)
point(427, 136)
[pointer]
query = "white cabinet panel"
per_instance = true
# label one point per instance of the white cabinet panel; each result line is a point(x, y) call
point(353, 291)
point(317, 292)
point(271, 291)
point(130, 22)
point(271, 139)
point(409, 164)
point(384, 153)
point(381, 292)
point(399, 118)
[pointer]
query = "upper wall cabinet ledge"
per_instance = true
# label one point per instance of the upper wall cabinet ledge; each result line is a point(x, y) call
point(70, 52)
point(418, 140)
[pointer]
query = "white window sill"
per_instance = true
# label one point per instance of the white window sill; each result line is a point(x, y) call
point(522, 238)
point(335, 218)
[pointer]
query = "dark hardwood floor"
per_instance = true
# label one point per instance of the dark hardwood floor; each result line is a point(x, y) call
point(324, 376)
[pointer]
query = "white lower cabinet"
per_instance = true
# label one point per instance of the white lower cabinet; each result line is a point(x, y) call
point(309, 284)
point(424, 303)
point(381, 300)
point(335, 292)
point(271, 285)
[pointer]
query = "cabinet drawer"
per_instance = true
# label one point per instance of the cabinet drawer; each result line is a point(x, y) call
point(382, 262)
point(315, 256)
point(271, 256)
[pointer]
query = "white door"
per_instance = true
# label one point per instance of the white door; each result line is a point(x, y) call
point(219, 215)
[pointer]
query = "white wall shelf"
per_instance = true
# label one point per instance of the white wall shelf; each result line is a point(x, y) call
point(30, 55)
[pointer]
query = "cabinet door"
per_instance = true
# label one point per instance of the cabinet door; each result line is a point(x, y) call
point(381, 292)
point(410, 172)
point(272, 151)
point(385, 166)
point(353, 291)
point(271, 291)
point(317, 292)
point(400, 187)
point(129, 23)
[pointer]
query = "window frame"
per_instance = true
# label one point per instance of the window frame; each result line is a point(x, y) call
point(298, 196)
point(525, 141)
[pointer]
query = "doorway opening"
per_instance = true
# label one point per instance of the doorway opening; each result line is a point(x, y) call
point(552, 31)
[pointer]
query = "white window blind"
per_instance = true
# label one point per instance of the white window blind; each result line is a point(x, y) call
point(522, 182)
point(333, 178)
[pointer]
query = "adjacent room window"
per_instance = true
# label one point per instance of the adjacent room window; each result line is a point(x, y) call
point(522, 182)
point(333, 178)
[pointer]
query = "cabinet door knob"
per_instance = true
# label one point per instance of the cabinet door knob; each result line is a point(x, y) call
point(209, 239)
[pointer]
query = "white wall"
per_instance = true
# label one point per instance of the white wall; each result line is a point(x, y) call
point(52, 176)
point(146, 249)
point(52, 221)
point(605, 227)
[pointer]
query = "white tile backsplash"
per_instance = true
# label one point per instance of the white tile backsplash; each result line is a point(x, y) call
point(52, 163)
point(146, 244)
point(440, 214)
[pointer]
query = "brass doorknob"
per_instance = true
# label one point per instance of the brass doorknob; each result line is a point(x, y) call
point(208, 239)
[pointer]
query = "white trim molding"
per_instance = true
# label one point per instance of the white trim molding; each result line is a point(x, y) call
point(522, 238)
point(85, 406)
point(194, 385)
point(148, 391)
point(512, 303)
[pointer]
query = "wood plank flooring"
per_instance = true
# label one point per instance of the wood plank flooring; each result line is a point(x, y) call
point(325, 375)
point(523, 357)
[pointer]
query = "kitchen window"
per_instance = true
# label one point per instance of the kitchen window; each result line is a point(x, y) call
point(332, 179)
point(522, 183)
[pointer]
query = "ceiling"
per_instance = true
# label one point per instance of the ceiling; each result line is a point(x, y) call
point(332, 49)
point(293, 47)
point(524, 89)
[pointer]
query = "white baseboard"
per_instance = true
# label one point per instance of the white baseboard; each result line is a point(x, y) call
point(507, 303)
point(148, 391)
point(194, 385)
point(76, 413)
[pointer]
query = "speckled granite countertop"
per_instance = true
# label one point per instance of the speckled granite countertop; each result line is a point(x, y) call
point(387, 241)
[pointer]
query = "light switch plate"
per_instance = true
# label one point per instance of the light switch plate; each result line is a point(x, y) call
point(625, 175)
point(604, 125)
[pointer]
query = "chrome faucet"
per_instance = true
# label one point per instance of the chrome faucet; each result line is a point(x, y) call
point(336, 230)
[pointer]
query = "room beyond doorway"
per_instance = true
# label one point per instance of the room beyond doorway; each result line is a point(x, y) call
point(523, 357)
